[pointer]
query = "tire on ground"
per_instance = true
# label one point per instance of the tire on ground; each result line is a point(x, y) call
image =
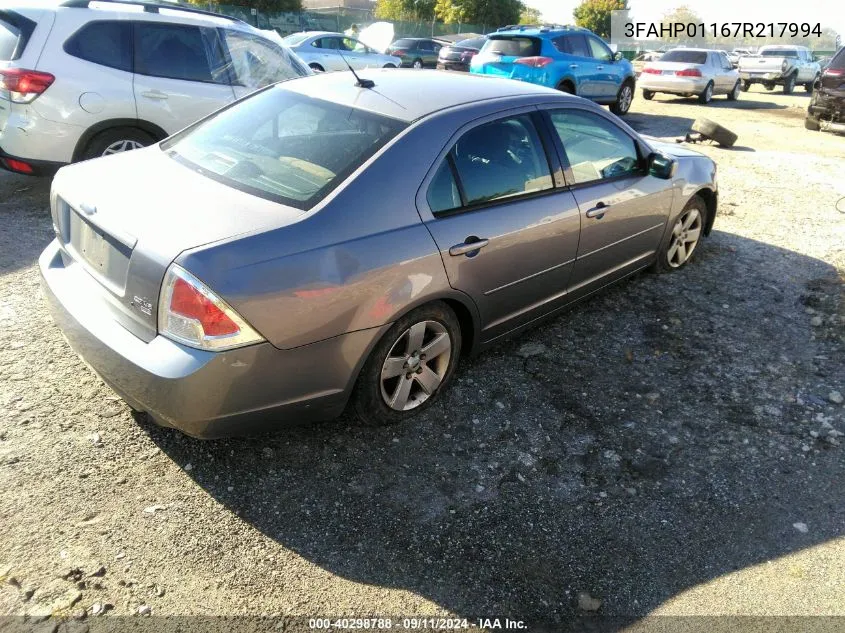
point(97, 145)
point(712, 130)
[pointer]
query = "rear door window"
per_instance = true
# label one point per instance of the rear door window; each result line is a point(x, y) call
point(177, 52)
point(15, 31)
point(509, 46)
point(574, 44)
point(106, 42)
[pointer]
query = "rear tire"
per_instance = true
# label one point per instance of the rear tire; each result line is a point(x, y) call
point(648, 95)
point(707, 94)
point(382, 380)
point(789, 85)
point(624, 99)
point(117, 140)
point(710, 129)
point(567, 87)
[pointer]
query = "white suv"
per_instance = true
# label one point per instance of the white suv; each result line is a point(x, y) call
point(80, 78)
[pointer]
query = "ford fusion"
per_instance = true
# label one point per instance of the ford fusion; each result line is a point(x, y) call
point(330, 243)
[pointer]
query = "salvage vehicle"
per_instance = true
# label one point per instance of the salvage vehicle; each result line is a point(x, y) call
point(691, 72)
point(570, 59)
point(270, 264)
point(827, 105)
point(780, 65)
point(458, 56)
point(324, 51)
point(416, 52)
point(82, 79)
point(737, 53)
point(640, 61)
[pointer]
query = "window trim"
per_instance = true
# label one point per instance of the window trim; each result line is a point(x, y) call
point(24, 25)
point(571, 185)
point(552, 163)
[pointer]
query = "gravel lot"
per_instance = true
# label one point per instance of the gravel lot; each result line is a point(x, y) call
point(672, 447)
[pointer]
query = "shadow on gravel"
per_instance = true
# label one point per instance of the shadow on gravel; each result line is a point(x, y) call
point(721, 103)
point(651, 440)
point(25, 199)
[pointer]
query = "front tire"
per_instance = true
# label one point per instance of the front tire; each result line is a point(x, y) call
point(389, 66)
point(648, 95)
point(117, 140)
point(409, 366)
point(733, 95)
point(808, 87)
point(418, 64)
point(684, 238)
point(624, 99)
point(707, 94)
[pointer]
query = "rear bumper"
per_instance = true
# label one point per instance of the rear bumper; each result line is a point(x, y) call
point(672, 84)
point(459, 66)
point(761, 77)
point(29, 137)
point(203, 394)
point(30, 167)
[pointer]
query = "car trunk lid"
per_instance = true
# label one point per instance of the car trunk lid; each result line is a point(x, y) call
point(499, 55)
point(147, 211)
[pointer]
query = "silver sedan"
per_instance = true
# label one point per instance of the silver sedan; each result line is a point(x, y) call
point(328, 243)
point(691, 72)
point(325, 51)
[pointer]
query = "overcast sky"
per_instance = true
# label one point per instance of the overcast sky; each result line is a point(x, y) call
point(830, 13)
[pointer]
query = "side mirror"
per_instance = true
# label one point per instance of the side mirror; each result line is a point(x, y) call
point(661, 166)
point(617, 56)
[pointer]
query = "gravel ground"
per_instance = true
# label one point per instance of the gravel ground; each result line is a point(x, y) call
point(672, 447)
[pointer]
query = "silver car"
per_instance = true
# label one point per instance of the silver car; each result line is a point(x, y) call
point(321, 243)
point(325, 51)
point(691, 72)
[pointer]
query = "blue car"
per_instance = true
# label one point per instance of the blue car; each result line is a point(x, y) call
point(571, 59)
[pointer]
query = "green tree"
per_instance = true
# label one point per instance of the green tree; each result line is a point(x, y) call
point(269, 6)
point(489, 13)
point(399, 10)
point(530, 15)
point(595, 15)
point(683, 15)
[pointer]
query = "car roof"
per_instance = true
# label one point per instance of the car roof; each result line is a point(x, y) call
point(697, 50)
point(409, 95)
point(547, 31)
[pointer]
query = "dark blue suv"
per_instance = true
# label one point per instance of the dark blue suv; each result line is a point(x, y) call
point(568, 58)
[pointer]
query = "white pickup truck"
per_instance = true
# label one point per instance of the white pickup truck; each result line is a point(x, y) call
point(782, 65)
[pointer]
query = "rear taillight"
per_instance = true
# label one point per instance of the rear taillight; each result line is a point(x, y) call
point(534, 62)
point(468, 55)
point(688, 72)
point(191, 314)
point(23, 85)
point(834, 72)
point(650, 71)
point(398, 52)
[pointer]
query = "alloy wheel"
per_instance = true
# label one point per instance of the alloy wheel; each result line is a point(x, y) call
point(626, 96)
point(415, 365)
point(685, 236)
point(124, 145)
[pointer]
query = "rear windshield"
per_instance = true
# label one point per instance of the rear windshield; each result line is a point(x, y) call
point(403, 43)
point(685, 57)
point(838, 62)
point(474, 43)
point(513, 46)
point(780, 53)
point(14, 34)
point(283, 146)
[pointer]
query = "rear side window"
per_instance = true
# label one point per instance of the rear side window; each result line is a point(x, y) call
point(257, 63)
point(685, 57)
point(174, 52)
point(410, 44)
point(107, 43)
point(575, 44)
point(493, 161)
point(513, 46)
point(15, 31)
point(283, 146)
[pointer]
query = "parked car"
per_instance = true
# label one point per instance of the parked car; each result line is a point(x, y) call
point(282, 267)
point(827, 105)
point(416, 52)
point(326, 51)
point(570, 59)
point(458, 56)
point(80, 81)
point(780, 65)
point(691, 72)
point(737, 53)
point(640, 61)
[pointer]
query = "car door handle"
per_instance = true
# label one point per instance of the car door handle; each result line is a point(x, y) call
point(598, 211)
point(573, 65)
point(154, 94)
point(468, 247)
point(599, 67)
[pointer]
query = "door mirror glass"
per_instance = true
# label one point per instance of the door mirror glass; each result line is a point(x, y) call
point(617, 56)
point(661, 166)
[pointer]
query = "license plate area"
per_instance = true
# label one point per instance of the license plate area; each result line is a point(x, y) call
point(102, 255)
